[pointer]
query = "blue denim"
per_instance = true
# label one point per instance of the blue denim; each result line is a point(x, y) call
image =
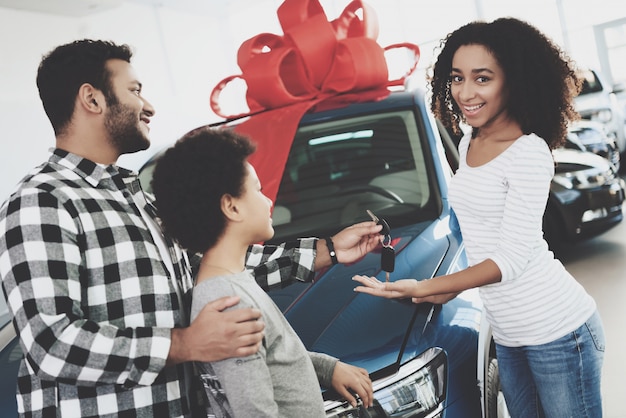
point(560, 379)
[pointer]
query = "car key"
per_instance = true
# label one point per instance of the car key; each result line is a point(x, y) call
point(386, 230)
point(388, 258)
point(388, 253)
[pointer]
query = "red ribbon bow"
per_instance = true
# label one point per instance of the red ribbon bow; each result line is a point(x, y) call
point(315, 58)
point(287, 75)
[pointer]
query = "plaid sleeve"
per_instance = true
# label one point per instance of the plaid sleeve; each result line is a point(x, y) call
point(44, 280)
point(277, 265)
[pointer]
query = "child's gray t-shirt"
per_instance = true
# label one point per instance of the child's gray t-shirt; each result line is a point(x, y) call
point(281, 380)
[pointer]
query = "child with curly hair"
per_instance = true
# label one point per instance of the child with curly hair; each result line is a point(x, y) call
point(514, 87)
point(211, 201)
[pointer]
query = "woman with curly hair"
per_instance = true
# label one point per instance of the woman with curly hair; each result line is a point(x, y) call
point(514, 87)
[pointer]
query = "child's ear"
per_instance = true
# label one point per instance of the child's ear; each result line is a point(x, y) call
point(229, 207)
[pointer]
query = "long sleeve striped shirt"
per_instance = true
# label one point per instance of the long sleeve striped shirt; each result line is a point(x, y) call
point(500, 208)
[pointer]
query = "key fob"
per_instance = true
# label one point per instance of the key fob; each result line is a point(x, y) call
point(388, 259)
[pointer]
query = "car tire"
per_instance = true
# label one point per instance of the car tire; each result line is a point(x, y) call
point(495, 406)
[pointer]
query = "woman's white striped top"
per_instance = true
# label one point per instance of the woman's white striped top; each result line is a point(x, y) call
point(500, 207)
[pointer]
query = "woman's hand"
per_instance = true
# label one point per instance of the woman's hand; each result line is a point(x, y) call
point(400, 289)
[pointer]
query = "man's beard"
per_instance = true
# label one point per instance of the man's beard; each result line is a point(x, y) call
point(122, 124)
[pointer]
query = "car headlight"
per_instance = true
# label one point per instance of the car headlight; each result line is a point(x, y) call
point(584, 179)
point(594, 214)
point(417, 390)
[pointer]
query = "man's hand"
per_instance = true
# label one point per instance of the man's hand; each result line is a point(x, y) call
point(216, 335)
point(351, 244)
point(348, 380)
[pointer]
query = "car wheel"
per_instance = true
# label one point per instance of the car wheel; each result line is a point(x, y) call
point(495, 404)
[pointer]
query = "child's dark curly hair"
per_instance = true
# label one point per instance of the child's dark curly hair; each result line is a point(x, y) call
point(190, 179)
point(540, 78)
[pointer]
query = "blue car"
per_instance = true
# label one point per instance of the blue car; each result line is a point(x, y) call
point(391, 157)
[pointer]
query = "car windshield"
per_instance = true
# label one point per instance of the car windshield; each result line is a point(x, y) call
point(338, 169)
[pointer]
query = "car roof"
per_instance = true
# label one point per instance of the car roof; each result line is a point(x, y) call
point(394, 100)
point(348, 104)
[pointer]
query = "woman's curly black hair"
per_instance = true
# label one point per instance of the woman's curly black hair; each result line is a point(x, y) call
point(190, 179)
point(540, 78)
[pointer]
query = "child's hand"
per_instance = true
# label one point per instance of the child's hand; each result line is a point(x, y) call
point(348, 379)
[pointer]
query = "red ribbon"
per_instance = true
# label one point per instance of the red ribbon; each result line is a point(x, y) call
point(314, 60)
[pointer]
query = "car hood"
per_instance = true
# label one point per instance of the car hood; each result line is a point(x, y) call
point(367, 331)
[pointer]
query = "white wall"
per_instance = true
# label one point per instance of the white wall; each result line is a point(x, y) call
point(180, 56)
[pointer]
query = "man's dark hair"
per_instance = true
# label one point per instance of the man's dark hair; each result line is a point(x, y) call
point(190, 179)
point(63, 70)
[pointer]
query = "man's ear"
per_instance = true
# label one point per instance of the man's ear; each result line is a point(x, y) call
point(229, 207)
point(90, 98)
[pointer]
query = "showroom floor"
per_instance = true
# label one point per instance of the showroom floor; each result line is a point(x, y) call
point(600, 266)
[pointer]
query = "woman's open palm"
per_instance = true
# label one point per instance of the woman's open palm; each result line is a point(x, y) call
point(399, 289)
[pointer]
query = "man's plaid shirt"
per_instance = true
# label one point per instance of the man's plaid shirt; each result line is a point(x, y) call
point(91, 298)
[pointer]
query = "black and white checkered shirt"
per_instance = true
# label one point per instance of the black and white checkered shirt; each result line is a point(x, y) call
point(92, 299)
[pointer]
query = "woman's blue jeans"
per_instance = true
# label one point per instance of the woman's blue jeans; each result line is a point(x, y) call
point(560, 379)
